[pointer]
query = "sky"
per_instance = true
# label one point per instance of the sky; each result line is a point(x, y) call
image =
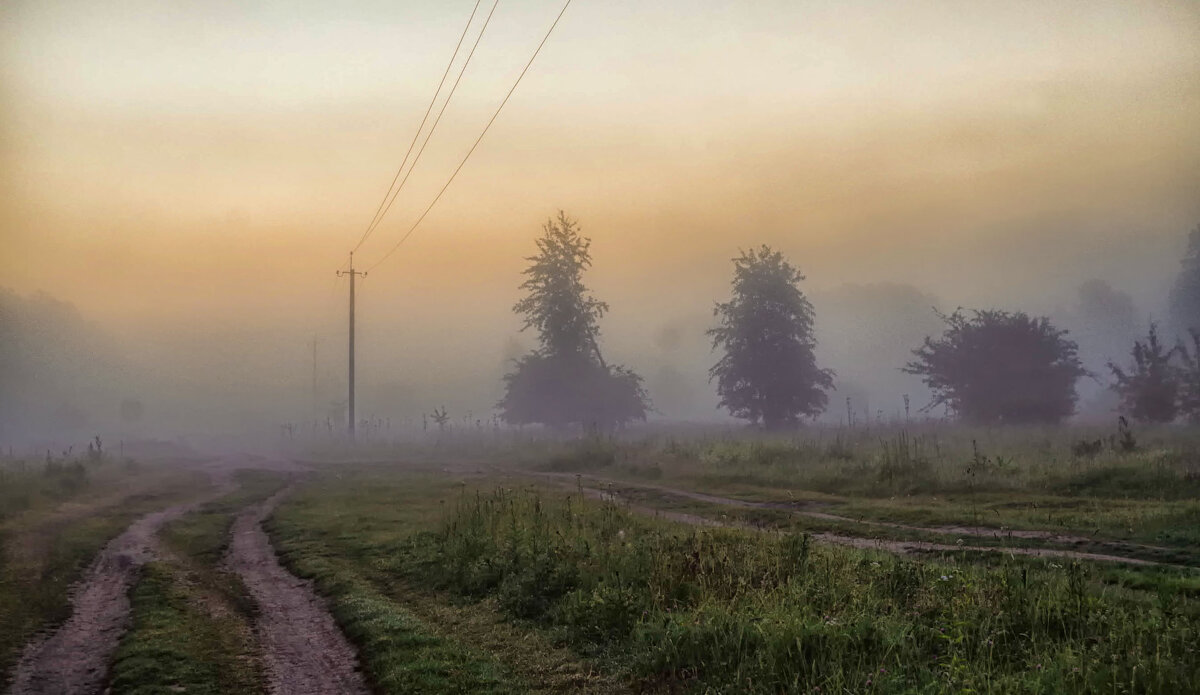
point(190, 175)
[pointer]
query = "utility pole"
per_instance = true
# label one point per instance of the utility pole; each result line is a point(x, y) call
point(352, 273)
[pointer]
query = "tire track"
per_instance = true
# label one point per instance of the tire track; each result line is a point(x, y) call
point(75, 657)
point(303, 650)
point(899, 547)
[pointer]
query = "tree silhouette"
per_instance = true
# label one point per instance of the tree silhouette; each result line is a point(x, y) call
point(566, 381)
point(999, 367)
point(768, 373)
point(1150, 387)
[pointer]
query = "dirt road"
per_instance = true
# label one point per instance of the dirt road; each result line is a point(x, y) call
point(303, 650)
point(75, 657)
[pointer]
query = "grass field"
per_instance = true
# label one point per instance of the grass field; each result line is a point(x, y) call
point(54, 517)
point(730, 588)
point(935, 560)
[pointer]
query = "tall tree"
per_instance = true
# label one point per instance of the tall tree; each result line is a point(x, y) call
point(1149, 388)
point(999, 367)
point(1184, 307)
point(768, 373)
point(566, 381)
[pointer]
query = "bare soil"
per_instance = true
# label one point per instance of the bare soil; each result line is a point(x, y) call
point(303, 650)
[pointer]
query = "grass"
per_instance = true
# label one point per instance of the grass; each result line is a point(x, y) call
point(1008, 478)
point(863, 521)
point(176, 645)
point(30, 484)
point(735, 611)
point(53, 532)
point(343, 532)
point(653, 605)
point(191, 619)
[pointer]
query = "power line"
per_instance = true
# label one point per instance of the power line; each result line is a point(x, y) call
point(477, 140)
point(375, 220)
point(438, 119)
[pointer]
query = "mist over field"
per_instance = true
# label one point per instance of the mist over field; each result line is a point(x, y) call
point(179, 186)
point(604, 346)
point(67, 375)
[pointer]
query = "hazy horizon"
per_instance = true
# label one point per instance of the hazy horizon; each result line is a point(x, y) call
point(191, 177)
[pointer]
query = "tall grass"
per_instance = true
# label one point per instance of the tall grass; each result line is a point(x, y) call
point(733, 611)
point(885, 462)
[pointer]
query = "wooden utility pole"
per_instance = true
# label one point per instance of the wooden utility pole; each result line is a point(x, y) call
point(352, 273)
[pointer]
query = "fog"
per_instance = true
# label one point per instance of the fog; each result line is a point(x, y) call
point(179, 186)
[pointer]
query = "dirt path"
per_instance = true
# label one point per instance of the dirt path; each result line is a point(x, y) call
point(75, 657)
point(807, 509)
point(304, 652)
point(889, 545)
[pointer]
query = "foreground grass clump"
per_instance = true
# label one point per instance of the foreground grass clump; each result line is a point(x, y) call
point(176, 645)
point(743, 612)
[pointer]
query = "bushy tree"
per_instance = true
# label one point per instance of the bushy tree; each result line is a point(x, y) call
point(1149, 388)
point(1184, 307)
point(999, 367)
point(768, 373)
point(566, 381)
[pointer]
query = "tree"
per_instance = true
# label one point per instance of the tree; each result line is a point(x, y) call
point(768, 373)
point(1189, 377)
point(566, 381)
point(999, 367)
point(1149, 389)
point(1184, 306)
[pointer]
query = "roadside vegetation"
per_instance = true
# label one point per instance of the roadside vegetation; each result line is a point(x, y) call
point(55, 515)
point(191, 618)
point(1138, 484)
point(755, 612)
point(663, 605)
point(344, 531)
